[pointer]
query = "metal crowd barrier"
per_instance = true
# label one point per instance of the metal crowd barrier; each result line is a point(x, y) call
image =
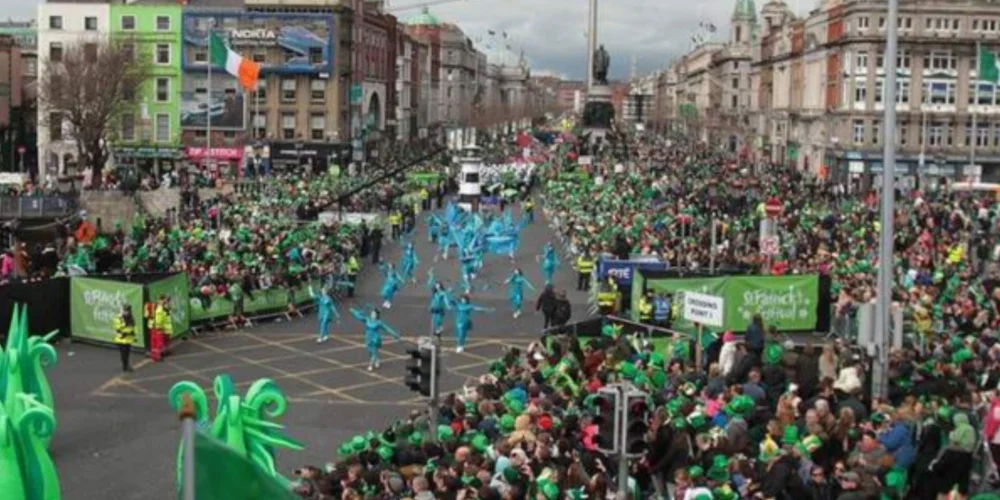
point(36, 207)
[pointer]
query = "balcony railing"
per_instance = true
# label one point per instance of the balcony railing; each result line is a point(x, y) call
point(36, 207)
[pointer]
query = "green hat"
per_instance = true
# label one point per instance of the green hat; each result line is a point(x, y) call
point(515, 407)
point(416, 439)
point(656, 359)
point(688, 389)
point(679, 423)
point(511, 474)
point(790, 436)
point(479, 442)
point(345, 449)
point(696, 471)
point(895, 480)
point(546, 372)
point(507, 423)
point(431, 465)
point(548, 489)
point(724, 492)
point(809, 445)
point(773, 353)
point(445, 433)
point(719, 471)
point(697, 419)
point(385, 453)
point(359, 443)
point(741, 405)
point(628, 370)
point(388, 438)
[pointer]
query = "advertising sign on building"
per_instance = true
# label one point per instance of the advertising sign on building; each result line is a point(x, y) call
point(299, 43)
point(224, 105)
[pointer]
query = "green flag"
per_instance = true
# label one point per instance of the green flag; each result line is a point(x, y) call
point(222, 474)
point(988, 71)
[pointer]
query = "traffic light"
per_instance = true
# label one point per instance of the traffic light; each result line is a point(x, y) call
point(418, 369)
point(608, 412)
point(638, 425)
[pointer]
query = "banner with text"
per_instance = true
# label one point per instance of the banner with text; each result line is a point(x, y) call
point(787, 302)
point(622, 271)
point(95, 303)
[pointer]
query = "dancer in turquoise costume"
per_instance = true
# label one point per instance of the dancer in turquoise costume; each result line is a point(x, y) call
point(373, 334)
point(463, 320)
point(410, 262)
point(326, 309)
point(515, 290)
point(391, 284)
point(441, 301)
point(549, 263)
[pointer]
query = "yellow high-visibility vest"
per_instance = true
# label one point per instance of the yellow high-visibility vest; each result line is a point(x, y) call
point(584, 265)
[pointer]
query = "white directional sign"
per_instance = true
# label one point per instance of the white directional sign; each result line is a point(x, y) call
point(703, 309)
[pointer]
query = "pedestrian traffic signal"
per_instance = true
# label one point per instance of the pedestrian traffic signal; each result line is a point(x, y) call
point(418, 369)
point(638, 425)
point(607, 417)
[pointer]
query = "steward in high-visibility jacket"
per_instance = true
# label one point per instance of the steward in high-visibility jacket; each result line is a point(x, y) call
point(645, 310)
point(161, 320)
point(124, 325)
point(396, 223)
point(585, 267)
point(353, 268)
point(607, 299)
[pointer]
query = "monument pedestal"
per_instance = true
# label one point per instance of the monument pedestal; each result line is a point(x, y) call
point(598, 113)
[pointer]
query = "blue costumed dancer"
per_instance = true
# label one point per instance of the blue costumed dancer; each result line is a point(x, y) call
point(373, 334)
point(326, 312)
point(441, 300)
point(391, 284)
point(515, 294)
point(463, 320)
point(549, 263)
point(410, 262)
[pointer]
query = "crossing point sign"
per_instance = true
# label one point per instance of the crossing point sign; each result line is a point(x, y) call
point(703, 309)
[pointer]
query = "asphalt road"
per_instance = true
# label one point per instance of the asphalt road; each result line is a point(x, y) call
point(117, 436)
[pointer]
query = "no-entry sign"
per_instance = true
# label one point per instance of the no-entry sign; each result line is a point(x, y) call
point(773, 207)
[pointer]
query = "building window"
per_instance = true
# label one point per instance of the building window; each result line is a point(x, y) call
point(315, 55)
point(902, 131)
point(317, 126)
point(903, 59)
point(128, 23)
point(261, 92)
point(162, 127)
point(902, 91)
point(128, 127)
point(940, 61)
point(90, 52)
point(736, 83)
point(863, 23)
point(288, 125)
point(938, 135)
point(55, 127)
point(317, 90)
point(162, 23)
point(904, 23)
point(259, 57)
point(879, 91)
point(859, 132)
point(983, 135)
point(162, 53)
point(90, 23)
point(55, 23)
point(162, 89)
point(260, 125)
point(996, 136)
point(985, 96)
point(736, 102)
point(201, 134)
point(876, 132)
point(229, 134)
point(288, 89)
point(861, 62)
point(860, 91)
point(939, 92)
point(201, 56)
point(128, 49)
point(55, 52)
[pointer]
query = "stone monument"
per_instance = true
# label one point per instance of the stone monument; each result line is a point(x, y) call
point(598, 112)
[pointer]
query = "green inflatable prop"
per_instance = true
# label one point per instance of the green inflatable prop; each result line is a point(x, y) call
point(244, 423)
point(27, 419)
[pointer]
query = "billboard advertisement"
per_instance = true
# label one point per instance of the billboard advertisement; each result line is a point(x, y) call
point(225, 104)
point(281, 43)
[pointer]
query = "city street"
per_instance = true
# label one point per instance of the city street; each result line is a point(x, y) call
point(107, 420)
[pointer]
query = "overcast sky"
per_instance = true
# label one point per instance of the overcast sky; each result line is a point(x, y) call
point(551, 32)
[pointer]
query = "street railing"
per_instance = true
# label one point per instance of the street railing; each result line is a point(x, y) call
point(36, 207)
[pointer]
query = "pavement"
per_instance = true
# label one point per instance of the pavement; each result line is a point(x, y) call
point(117, 435)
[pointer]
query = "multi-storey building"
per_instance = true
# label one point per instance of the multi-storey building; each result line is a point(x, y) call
point(570, 94)
point(148, 136)
point(407, 86)
point(60, 27)
point(12, 98)
point(426, 29)
point(459, 67)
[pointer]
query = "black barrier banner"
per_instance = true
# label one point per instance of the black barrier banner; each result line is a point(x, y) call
point(46, 301)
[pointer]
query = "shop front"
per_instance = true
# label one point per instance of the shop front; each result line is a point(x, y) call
point(221, 162)
point(134, 162)
point(862, 171)
point(315, 157)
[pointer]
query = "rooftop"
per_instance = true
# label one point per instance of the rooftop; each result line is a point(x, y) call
point(424, 18)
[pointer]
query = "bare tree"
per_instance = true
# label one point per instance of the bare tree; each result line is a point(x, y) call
point(90, 88)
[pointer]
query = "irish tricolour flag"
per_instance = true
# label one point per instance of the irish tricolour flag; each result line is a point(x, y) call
point(245, 70)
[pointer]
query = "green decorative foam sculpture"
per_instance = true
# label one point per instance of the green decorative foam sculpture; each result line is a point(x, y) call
point(27, 419)
point(245, 423)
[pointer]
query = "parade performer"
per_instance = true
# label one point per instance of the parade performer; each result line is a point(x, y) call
point(410, 262)
point(326, 312)
point(469, 267)
point(390, 284)
point(441, 300)
point(516, 283)
point(463, 320)
point(373, 334)
point(549, 263)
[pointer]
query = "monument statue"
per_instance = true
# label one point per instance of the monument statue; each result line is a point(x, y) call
point(601, 62)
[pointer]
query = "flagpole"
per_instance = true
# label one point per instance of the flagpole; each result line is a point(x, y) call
point(187, 415)
point(208, 106)
point(975, 114)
